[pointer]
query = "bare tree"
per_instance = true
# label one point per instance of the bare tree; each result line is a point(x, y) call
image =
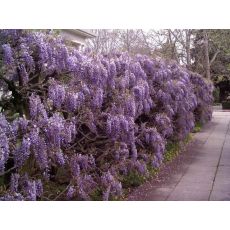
point(207, 47)
point(146, 42)
point(188, 34)
point(170, 44)
point(132, 41)
point(104, 42)
point(183, 43)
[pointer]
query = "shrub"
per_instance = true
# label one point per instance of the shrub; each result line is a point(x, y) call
point(226, 104)
point(80, 121)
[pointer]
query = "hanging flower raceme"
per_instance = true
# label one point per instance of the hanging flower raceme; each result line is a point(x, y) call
point(56, 93)
point(111, 186)
point(36, 107)
point(7, 54)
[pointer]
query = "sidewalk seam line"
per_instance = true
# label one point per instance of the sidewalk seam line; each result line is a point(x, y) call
point(166, 199)
point(219, 161)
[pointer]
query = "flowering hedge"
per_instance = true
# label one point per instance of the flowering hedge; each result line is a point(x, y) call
point(82, 121)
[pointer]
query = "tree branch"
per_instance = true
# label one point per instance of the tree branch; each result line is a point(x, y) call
point(8, 171)
point(177, 39)
point(214, 57)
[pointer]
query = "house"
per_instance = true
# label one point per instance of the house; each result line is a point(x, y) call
point(77, 37)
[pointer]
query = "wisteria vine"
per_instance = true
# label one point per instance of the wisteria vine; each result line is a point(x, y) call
point(83, 121)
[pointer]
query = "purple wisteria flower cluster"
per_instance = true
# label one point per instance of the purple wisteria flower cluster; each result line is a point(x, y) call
point(84, 121)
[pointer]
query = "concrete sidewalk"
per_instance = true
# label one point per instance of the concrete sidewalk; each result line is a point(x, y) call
point(205, 172)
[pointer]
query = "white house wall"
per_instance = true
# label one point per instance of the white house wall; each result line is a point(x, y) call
point(73, 37)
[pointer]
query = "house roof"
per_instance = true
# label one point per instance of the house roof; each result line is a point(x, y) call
point(82, 33)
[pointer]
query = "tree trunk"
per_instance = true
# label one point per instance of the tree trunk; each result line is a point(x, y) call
point(146, 42)
point(206, 56)
point(187, 46)
point(127, 41)
point(172, 44)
